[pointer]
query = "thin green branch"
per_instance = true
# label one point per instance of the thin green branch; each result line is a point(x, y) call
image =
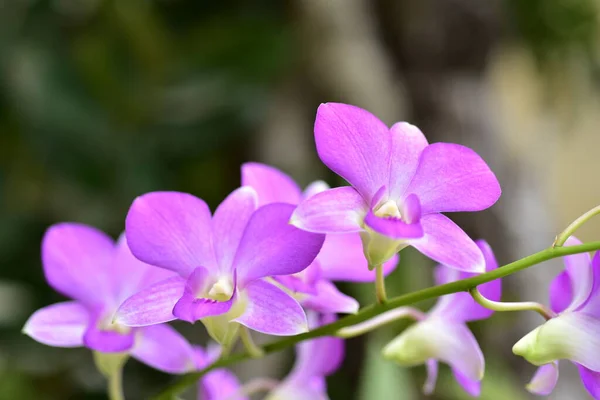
point(570, 230)
point(380, 284)
point(377, 309)
point(511, 306)
point(253, 350)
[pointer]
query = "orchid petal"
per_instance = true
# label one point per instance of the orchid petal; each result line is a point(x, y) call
point(271, 246)
point(471, 386)
point(314, 188)
point(59, 325)
point(435, 338)
point(108, 340)
point(392, 227)
point(592, 305)
point(432, 374)
point(451, 177)
point(272, 311)
point(460, 307)
point(220, 384)
point(76, 259)
point(355, 144)
point(271, 185)
point(448, 244)
point(171, 230)
point(591, 381)
point(338, 210)
point(229, 222)
point(330, 300)
point(573, 336)
point(163, 348)
point(408, 142)
point(192, 309)
point(153, 305)
point(342, 259)
point(561, 292)
point(579, 268)
point(544, 380)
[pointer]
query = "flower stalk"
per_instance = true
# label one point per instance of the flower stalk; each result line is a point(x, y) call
point(380, 284)
point(511, 306)
point(377, 309)
point(570, 230)
point(380, 320)
point(253, 350)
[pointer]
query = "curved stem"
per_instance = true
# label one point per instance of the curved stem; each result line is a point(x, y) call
point(253, 387)
point(253, 350)
point(115, 385)
point(377, 309)
point(510, 306)
point(380, 284)
point(564, 235)
point(379, 321)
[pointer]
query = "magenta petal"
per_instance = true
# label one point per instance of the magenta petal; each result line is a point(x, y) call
point(191, 309)
point(153, 305)
point(338, 210)
point(342, 259)
point(272, 311)
point(329, 299)
point(76, 259)
point(448, 244)
point(271, 246)
point(108, 341)
point(544, 380)
point(59, 325)
point(561, 292)
point(355, 144)
point(229, 222)
point(163, 348)
point(592, 305)
point(579, 269)
point(171, 230)
point(271, 185)
point(393, 227)
point(220, 384)
point(451, 177)
point(591, 381)
point(408, 142)
point(471, 386)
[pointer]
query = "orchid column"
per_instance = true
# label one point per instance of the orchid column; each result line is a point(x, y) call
point(400, 185)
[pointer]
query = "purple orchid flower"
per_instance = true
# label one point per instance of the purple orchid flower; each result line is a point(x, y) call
point(341, 258)
point(574, 333)
point(220, 263)
point(84, 264)
point(400, 187)
point(219, 384)
point(442, 334)
point(315, 359)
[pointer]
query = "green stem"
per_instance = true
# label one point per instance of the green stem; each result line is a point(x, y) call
point(115, 385)
point(379, 321)
point(380, 284)
point(253, 350)
point(510, 306)
point(377, 309)
point(568, 232)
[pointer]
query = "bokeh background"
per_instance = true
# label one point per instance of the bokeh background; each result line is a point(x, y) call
point(101, 101)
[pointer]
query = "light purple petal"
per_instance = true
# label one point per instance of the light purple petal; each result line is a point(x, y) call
point(471, 386)
point(592, 305)
point(314, 188)
point(108, 340)
point(153, 305)
point(129, 275)
point(451, 177)
point(460, 307)
point(408, 142)
point(561, 292)
point(317, 357)
point(59, 325)
point(579, 269)
point(229, 222)
point(393, 227)
point(338, 210)
point(432, 368)
point(342, 259)
point(272, 311)
point(76, 259)
point(220, 384)
point(271, 246)
point(544, 380)
point(271, 185)
point(591, 381)
point(171, 230)
point(355, 144)
point(329, 299)
point(163, 348)
point(448, 244)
